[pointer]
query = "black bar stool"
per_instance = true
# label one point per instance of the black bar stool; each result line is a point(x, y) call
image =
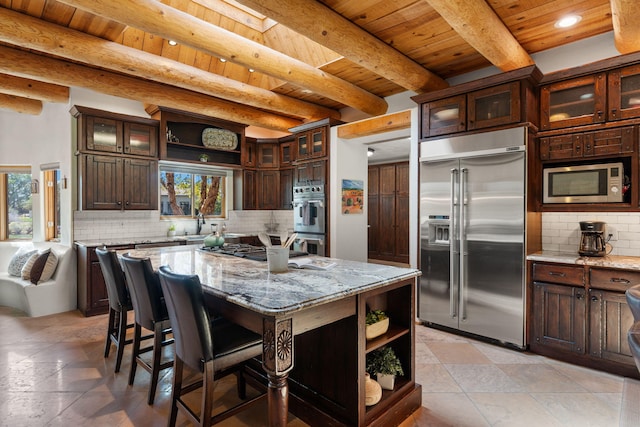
point(119, 303)
point(214, 348)
point(151, 314)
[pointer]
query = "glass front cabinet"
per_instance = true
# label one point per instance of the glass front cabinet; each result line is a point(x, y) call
point(624, 93)
point(574, 102)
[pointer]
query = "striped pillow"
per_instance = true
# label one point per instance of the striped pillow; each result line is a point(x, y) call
point(40, 267)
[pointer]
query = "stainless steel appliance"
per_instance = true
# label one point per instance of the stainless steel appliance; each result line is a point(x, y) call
point(310, 243)
point(592, 240)
point(309, 209)
point(244, 250)
point(596, 183)
point(472, 238)
point(309, 218)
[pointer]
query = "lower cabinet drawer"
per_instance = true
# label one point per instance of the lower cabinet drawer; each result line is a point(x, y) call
point(612, 279)
point(558, 273)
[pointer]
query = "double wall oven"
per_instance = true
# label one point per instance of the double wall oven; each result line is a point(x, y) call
point(309, 218)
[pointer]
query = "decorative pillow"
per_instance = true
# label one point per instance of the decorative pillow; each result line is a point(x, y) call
point(19, 259)
point(40, 267)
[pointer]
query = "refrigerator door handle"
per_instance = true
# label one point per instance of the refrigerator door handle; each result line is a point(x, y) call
point(463, 244)
point(452, 239)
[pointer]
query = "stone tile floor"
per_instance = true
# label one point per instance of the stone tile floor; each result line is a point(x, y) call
point(53, 373)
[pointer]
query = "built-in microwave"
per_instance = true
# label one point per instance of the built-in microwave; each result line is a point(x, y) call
point(599, 183)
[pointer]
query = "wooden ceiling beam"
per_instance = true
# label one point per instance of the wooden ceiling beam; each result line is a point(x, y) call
point(32, 33)
point(328, 28)
point(375, 125)
point(56, 71)
point(626, 31)
point(33, 89)
point(20, 104)
point(478, 25)
point(156, 18)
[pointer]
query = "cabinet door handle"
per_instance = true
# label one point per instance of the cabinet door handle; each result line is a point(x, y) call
point(619, 280)
point(599, 114)
point(119, 203)
point(579, 296)
point(594, 298)
point(127, 203)
point(553, 273)
point(614, 111)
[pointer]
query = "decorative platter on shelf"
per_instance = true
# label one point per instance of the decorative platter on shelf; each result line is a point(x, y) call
point(219, 139)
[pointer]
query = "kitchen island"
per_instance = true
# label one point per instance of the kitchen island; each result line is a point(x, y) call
point(313, 328)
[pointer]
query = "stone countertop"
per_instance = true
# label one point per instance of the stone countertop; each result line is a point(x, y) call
point(609, 261)
point(249, 284)
point(120, 241)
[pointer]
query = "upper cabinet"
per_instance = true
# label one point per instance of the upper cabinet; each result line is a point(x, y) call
point(106, 132)
point(117, 161)
point(494, 101)
point(624, 93)
point(575, 102)
point(312, 143)
point(195, 138)
point(602, 96)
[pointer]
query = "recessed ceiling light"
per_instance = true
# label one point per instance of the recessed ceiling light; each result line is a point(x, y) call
point(370, 152)
point(251, 70)
point(223, 60)
point(172, 42)
point(568, 21)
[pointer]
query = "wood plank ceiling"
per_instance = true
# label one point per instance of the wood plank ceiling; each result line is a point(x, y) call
point(279, 63)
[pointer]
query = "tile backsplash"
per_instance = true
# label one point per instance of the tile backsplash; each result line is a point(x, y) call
point(561, 231)
point(89, 225)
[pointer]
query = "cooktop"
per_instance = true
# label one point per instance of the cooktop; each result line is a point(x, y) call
point(244, 250)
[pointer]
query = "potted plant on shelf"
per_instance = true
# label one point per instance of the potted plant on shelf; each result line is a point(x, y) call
point(385, 365)
point(172, 230)
point(204, 158)
point(377, 323)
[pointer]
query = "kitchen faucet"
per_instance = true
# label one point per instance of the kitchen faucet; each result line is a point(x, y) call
point(198, 223)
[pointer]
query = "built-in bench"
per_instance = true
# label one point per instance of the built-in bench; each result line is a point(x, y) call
point(56, 295)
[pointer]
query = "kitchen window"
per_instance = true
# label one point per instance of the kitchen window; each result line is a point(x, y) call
point(16, 216)
point(187, 191)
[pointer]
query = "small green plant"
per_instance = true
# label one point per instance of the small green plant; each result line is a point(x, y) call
point(172, 227)
point(204, 158)
point(384, 361)
point(375, 316)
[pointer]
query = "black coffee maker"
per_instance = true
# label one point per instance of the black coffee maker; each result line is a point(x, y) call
point(592, 241)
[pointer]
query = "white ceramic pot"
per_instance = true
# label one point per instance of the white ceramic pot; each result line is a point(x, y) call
point(386, 381)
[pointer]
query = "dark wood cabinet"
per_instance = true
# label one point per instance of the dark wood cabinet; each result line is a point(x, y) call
point(444, 116)
point(268, 155)
point(189, 136)
point(605, 95)
point(249, 189)
point(588, 144)
point(575, 102)
point(311, 172)
point(117, 161)
point(268, 189)
point(92, 290)
point(287, 153)
point(495, 101)
point(624, 93)
point(389, 224)
point(560, 319)
point(118, 183)
point(311, 143)
point(249, 154)
point(286, 188)
point(579, 314)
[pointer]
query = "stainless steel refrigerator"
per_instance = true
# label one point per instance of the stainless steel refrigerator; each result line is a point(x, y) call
point(472, 234)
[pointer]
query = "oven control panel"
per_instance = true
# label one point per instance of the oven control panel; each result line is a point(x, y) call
point(308, 190)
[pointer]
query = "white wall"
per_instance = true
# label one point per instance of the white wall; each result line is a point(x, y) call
point(347, 232)
point(37, 140)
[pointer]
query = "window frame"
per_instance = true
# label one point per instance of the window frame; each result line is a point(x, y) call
point(226, 187)
point(5, 170)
